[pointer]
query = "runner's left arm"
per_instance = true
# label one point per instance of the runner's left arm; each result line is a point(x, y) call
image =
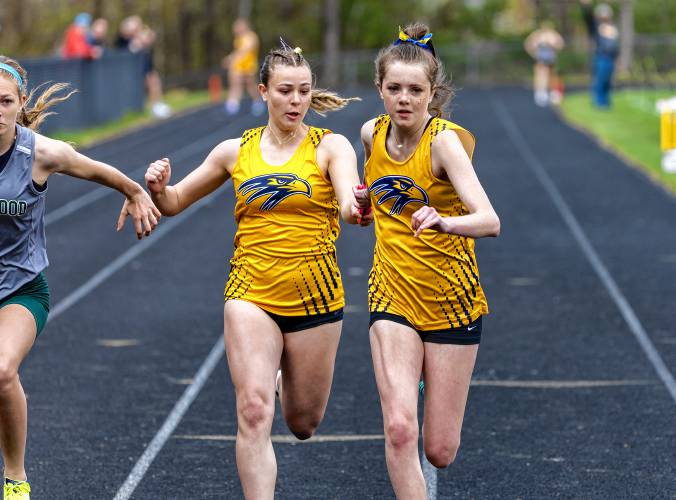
point(342, 172)
point(482, 220)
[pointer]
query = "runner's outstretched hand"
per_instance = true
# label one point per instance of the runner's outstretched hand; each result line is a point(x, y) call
point(143, 212)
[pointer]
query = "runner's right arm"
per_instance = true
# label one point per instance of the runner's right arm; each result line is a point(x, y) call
point(211, 174)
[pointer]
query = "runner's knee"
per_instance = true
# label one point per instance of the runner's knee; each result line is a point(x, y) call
point(254, 412)
point(401, 431)
point(8, 375)
point(304, 427)
point(442, 454)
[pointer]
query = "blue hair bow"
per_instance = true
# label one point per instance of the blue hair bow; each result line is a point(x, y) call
point(420, 42)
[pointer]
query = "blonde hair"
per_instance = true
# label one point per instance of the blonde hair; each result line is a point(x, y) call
point(413, 54)
point(321, 100)
point(34, 115)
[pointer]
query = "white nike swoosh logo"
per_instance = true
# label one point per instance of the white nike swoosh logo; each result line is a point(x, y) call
point(470, 328)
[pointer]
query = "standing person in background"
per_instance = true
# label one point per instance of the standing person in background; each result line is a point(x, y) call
point(27, 159)
point(135, 37)
point(425, 299)
point(98, 35)
point(76, 44)
point(543, 45)
point(284, 296)
point(144, 42)
point(606, 38)
point(242, 65)
point(128, 30)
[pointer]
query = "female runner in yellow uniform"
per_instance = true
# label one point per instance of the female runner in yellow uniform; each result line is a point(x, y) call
point(284, 297)
point(242, 64)
point(425, 297)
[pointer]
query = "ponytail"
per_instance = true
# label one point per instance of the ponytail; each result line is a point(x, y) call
point(34, 112)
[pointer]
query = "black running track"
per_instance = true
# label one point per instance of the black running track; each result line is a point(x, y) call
point(565, 403)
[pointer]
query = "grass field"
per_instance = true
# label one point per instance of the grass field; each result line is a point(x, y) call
point(177, 99)
point(631, 128)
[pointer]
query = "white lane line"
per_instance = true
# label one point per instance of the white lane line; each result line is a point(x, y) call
point(575, 228)
point(165, 228)
point(430, 474)
point(141, 467)
point(174, 418)
point(101, 192)
point(558, 384)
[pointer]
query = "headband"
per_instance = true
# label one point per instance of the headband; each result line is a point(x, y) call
point(13, 72)
point(420, 42)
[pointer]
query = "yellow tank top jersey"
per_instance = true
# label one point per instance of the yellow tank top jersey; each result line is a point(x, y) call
point(287, 225)
point(433, 280)
point(248, 62)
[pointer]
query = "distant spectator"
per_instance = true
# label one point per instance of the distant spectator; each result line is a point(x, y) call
point(543, 45)
point(136, 37)
point(76, 40)
point(129, 30)
point(606, 37)
point(144, 42)
point(242, 65)
point(98, 35)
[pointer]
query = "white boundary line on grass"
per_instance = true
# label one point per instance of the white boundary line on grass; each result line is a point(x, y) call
point(575, 228)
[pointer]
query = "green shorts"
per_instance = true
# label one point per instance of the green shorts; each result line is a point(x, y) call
point(34, 296)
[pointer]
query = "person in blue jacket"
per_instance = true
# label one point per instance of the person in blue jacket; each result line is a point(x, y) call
point(606, 37)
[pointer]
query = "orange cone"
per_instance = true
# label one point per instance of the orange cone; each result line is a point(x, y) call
point(215, 86)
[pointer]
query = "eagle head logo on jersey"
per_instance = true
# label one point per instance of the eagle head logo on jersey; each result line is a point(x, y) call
point(276, 187)
point(403, 190)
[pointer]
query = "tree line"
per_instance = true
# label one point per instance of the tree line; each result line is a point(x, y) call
point(195, 34)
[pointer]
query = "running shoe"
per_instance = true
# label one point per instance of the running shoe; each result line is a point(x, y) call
point(231, 107)
point(17, 490)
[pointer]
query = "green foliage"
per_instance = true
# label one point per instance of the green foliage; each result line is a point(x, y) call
point(178, 99)
point(194, 35)
point(631, 127)
point(655, 16)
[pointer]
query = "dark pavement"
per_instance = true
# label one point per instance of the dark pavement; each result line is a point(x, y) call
point(565, 403)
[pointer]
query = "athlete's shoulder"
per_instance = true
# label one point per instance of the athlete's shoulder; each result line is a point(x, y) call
point(317, 135)
point(446, 133)
point(51, 153)
point(371, 127)
point(332, 140)
point(228, 147)
point(250, 134)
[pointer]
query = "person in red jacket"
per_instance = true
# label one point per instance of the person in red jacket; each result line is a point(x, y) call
point(76, 43)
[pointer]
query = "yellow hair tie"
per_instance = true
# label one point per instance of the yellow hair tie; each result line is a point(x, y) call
point(298, 51)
